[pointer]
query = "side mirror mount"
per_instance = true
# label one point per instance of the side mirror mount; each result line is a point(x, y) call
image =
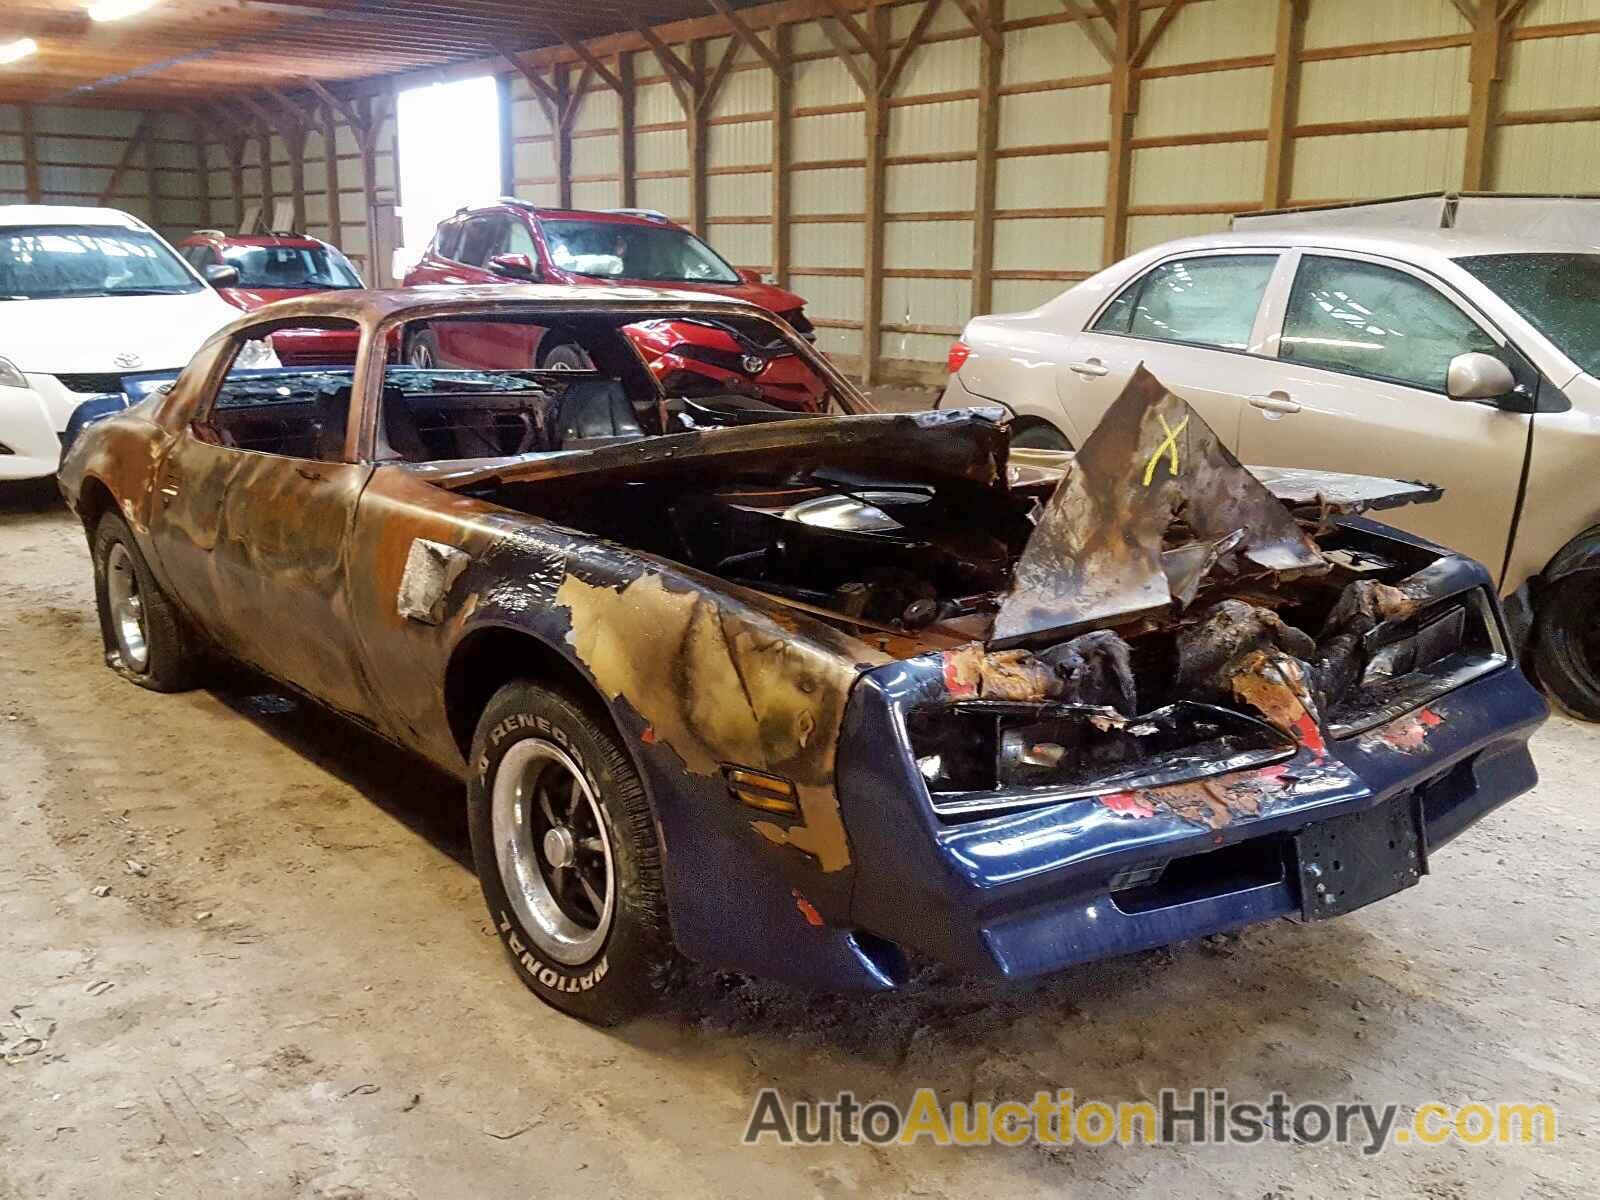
point(514, 266)
point(220, 275)
point(750, 276)
point(1477, 376)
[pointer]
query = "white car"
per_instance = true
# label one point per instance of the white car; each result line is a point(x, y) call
point(87, 297)
point(1467, 360)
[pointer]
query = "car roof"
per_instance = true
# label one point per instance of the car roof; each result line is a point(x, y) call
point(566, 214)
point(12, 215)
point(1393, 241)
point(215, 237)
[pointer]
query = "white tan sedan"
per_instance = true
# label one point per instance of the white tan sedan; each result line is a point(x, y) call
point(1467, 361)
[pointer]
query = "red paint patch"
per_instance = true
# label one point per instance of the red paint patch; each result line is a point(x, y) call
point(1309, 735)
point(1128, 804)
point(1429, 718)
point(1408, 734)
point(807, 910)
point(960, 679)
point(648, 737)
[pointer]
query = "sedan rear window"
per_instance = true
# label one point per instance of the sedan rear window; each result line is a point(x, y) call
point(1206, 301)
point(1558, 294)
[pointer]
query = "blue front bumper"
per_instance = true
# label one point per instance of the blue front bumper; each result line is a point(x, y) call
point(1031, 892)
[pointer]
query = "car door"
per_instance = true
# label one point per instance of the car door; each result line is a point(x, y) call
point(1362, 347)
point(1192, 320)
point(256, 499)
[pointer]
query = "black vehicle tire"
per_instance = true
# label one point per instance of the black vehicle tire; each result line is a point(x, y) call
point(542, 763)
point(1565, 646)
point(1032, 433)
point(146, 639)
point(565, 356)
point(422, 350)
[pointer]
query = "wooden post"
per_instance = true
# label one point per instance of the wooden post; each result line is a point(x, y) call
point(697, 143)
point(330, 159)
point(152, 180)
point(782, 118)
point(877, 139)
point(294, 141)
point(1285, 103)
point(1486, 69)
point(202, 163)
point(30, 157)
point(566, 108)
point(990, 60)
point(235, 149)
point(627, 149)
point(1119, 160)
point(268, 199)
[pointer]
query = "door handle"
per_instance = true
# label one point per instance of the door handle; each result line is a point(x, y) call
point(1092, 367)
point(1275, 402)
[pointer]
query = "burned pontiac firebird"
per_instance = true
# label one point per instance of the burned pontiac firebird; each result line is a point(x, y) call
point(808, 696)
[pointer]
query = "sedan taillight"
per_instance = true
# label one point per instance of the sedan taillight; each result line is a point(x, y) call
point(959, 353)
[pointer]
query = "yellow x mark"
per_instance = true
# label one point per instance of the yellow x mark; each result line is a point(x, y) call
point(1169, 446)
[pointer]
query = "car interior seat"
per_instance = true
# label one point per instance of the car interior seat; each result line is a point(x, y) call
point(594, 410)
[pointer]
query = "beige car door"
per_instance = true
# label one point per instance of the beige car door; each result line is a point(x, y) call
point(1363, 345)
point(1192, 321)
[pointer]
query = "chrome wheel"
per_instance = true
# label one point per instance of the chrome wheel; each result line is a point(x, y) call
point(554, 855)
point(127, 608)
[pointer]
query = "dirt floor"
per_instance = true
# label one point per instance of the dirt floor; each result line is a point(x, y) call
point(290, 988)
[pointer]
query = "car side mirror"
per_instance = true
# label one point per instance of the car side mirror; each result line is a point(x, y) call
point(1477, 376)
point(514, 266)
point(220, 275)
point(750, 276)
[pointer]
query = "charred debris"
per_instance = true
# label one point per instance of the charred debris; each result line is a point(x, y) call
point(1150, 569)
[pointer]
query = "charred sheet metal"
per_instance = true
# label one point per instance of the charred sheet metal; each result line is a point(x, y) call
point(1152, 476)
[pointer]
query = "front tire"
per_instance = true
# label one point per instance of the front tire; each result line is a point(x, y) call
point(147, 642)
point(566, 852)
point(1031, 433)
point(1565, 647)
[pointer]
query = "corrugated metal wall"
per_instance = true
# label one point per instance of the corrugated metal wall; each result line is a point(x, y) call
point(76, 153)
point(1020, 149)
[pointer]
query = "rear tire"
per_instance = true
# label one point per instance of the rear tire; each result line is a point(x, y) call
point(423, 350)
point(147, 642)
point(565, 357)
point(565, 846)
point(1565, 647)
point(1032, 433)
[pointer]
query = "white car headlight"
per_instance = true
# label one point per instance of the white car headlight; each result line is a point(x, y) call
point(10, 375)
point(257, 354)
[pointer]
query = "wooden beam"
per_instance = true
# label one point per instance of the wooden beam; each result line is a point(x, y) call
point(782, 142)
point(1485, 71)
point(152, 182)
point(973, 10)
point(30, 157)
point(607, 76)
point(141, 132)
point(543, 92)
point(1119, 157)
point(685, 76)
point(202, 177)
point(269, 199)
point(708, 94)
point(864, 41)
point(1285, 103)
point(743, 32)
point(877, 139)
point(890, 77)
point(1082, 18)
point(337, 103)
point(330, 161)
point(627, 100)
point(990, 64)
point(1148, 42)
point(1469, 11)
point(847, 54)
point(697, 146)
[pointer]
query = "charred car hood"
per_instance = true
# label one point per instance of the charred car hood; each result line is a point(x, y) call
point(1130, 525)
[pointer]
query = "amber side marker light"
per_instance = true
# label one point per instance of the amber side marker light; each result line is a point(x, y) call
point(757, 789)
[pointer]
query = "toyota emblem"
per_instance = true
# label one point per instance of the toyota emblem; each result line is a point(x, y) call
point(752, 364)
point(127, 359)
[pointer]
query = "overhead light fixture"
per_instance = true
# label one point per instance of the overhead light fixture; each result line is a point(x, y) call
point(11, 52)
point(115, 10)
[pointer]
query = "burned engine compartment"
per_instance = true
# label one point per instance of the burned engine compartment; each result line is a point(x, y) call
point(1151, 612)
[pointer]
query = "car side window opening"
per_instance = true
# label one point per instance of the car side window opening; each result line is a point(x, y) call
point(518, 240)
point(1348, 315)
point(1210, 300)
point(478, 241)
point(299, 412)
point(449, 243)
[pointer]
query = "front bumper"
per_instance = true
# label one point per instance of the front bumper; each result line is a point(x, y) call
point(30, 439)
point(1030, 892)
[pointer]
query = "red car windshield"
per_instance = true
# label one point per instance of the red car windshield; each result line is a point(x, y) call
point(612, 250)
point(291, 267)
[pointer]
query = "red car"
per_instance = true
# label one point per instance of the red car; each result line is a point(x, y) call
point(250, 271)
point(514, 241)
